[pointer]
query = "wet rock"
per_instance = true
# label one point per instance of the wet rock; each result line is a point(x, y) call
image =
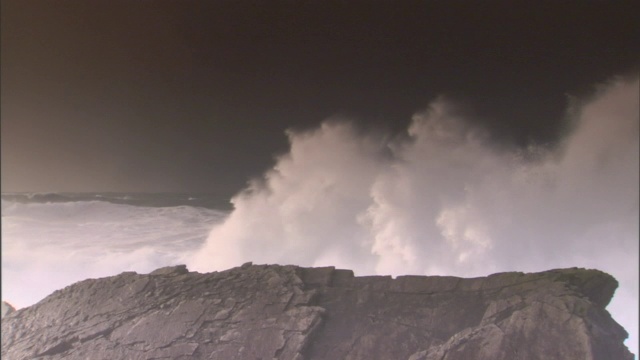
point(289, 312)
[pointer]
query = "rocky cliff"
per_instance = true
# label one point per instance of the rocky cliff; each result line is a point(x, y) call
point(288, 312)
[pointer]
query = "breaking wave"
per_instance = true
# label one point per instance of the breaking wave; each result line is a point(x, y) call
point(444, 200)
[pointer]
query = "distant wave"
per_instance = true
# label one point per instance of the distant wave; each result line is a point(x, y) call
point(37, 197)
point(100, 211)
point(209, 201)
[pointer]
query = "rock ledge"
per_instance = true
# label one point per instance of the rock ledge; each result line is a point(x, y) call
point(289, 312)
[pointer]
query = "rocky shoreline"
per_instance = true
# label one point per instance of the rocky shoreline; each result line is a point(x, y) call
point(290, 312)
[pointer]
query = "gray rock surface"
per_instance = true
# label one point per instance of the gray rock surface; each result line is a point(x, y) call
point(288, 312)
point(6, 309)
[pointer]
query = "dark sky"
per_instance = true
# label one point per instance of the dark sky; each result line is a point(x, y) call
point(196, 95)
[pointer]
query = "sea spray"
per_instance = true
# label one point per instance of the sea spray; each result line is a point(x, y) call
point(445, 200)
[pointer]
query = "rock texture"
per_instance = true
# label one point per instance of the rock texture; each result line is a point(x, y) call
point(288, 312)
point(6, 309)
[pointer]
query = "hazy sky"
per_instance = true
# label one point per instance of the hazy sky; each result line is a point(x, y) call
point(197, 95)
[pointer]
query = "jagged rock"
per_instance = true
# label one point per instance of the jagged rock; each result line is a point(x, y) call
point(289, 312)
point(7, 309)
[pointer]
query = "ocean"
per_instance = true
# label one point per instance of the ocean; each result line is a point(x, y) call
point(52, 240)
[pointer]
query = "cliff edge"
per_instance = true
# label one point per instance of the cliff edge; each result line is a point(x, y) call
point(289, 312)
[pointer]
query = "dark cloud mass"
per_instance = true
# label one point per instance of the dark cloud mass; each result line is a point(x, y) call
point(195, 95)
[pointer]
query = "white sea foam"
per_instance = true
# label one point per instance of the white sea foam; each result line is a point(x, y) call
point(47, 246)
point(444, 200)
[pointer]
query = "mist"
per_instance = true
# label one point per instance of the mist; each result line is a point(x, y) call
point(445, 199)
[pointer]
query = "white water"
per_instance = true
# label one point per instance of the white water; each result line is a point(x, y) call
point(47, 246)
point(444, 200)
